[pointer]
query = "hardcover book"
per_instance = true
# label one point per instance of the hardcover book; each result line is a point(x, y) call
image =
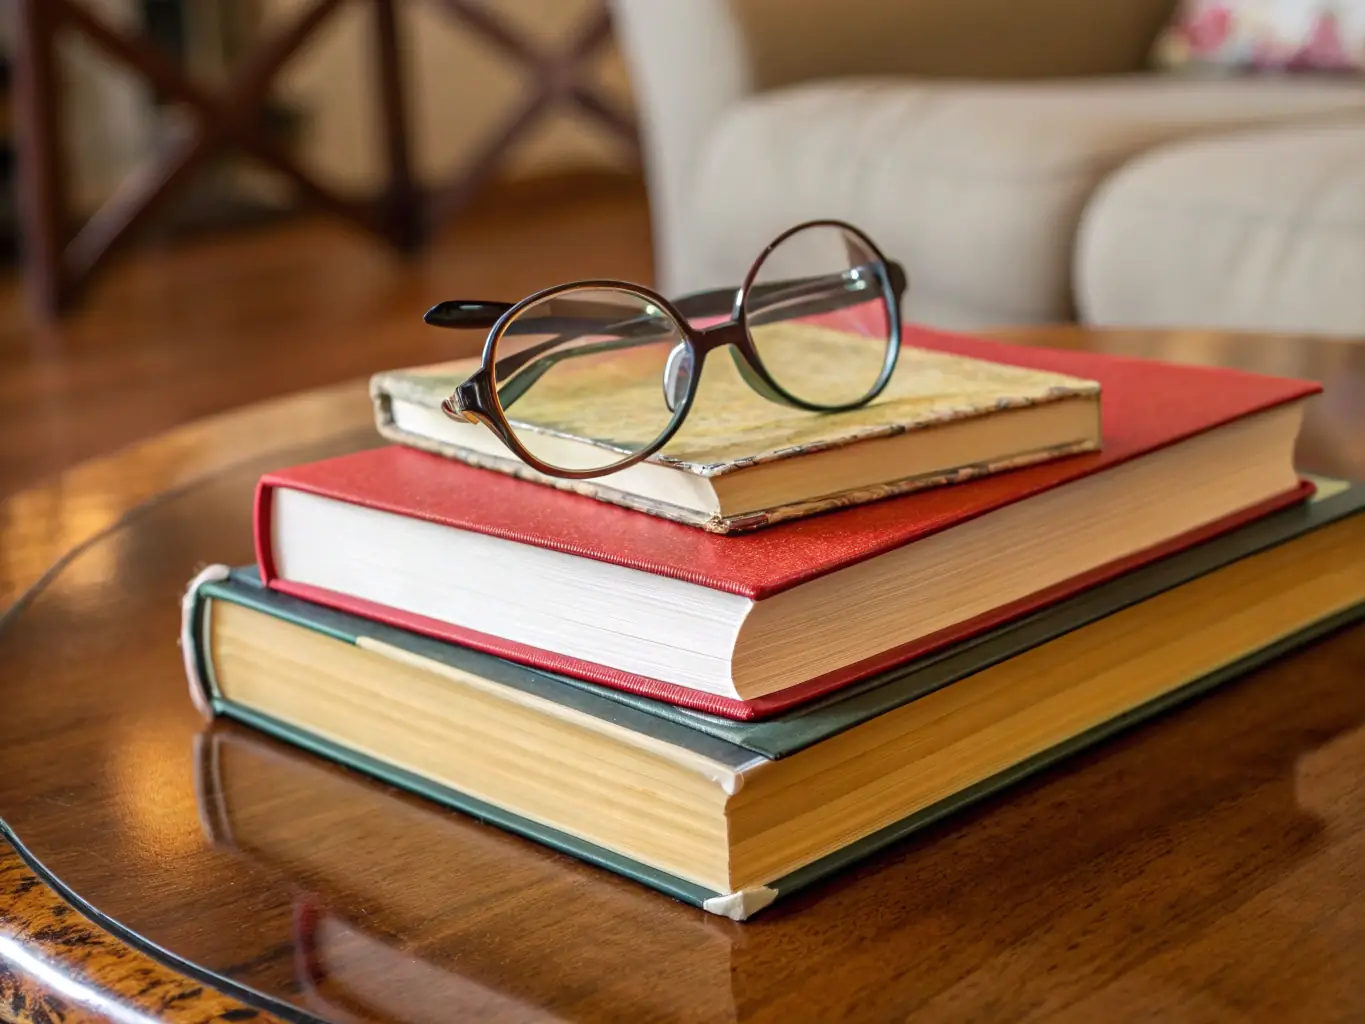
point(732, 815)
point(747, 624)
point(740, 461)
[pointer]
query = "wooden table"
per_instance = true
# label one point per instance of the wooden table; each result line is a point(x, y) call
point(1208, 866)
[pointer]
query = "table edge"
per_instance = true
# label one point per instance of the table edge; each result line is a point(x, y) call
point(59, 954)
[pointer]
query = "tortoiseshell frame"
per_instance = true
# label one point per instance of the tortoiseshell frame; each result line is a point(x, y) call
point(476, 400)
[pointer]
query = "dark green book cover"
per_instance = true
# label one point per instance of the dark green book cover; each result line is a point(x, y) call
point(739, 744)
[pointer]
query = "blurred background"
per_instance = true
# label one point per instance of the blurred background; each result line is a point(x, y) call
point(205, 203)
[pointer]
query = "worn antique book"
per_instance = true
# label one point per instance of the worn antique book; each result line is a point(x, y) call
point(740, 461)
point(732, 815)
point(747, 624)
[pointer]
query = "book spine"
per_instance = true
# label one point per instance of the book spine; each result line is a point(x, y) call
point(192, 650)
point(261, 531)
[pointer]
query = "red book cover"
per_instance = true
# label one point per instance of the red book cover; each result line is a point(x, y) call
point(1145, 406)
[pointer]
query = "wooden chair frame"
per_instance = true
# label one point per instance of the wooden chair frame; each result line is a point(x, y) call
point(59, 261)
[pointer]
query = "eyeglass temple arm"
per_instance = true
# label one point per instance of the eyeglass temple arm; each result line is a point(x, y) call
point(464, 314)
point(482, 315)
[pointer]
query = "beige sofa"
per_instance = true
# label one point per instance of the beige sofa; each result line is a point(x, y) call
point(1016, 155)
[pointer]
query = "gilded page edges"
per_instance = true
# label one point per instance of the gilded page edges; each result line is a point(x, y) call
point(200, 694)
point(741, 905)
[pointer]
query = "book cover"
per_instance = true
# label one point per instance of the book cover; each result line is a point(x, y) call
point(1147, 406)
point(737, 744)
point(731, 427)
point(757, 708)
point(735, 739)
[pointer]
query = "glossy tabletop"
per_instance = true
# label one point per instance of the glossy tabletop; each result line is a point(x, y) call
point(1209, 865)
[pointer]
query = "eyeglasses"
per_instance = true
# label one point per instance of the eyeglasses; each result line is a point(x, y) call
point(619, 365)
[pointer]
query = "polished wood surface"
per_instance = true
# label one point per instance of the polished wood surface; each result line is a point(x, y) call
point(99, 977)
point(190, 330)
point(1205, 866)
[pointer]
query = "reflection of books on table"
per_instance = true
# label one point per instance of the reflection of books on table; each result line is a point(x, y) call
point(733, 815)
point(366, 859)
point(352, 975)
point(741, 461)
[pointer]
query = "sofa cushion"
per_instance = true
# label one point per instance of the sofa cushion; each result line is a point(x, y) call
point(1261, 230)
point(976, 187)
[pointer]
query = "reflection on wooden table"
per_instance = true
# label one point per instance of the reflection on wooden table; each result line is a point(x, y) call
point(365, 859)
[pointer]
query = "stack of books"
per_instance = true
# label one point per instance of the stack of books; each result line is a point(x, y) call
point(730, 670)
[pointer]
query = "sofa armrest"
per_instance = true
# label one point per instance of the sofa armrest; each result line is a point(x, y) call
point(689, 60)
point(687, 64)
point(790, 41)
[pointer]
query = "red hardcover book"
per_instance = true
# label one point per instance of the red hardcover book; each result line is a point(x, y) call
point(751, 624)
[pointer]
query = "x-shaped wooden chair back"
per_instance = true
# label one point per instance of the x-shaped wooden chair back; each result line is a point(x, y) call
point(59, 262)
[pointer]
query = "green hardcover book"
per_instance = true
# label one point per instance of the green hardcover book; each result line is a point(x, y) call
point(730, 815)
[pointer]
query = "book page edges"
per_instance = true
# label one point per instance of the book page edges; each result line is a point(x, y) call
point(730, 780)
point(511, 466)
point(669, 884)
point(1004, 780)
point(200, 693)
point(716, 522)
point(743, 904)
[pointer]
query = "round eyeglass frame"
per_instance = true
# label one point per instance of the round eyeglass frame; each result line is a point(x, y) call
point(476, 400)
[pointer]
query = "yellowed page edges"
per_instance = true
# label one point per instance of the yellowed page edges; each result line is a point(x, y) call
point(199, 690)
point(738, 906)
point(728, 779)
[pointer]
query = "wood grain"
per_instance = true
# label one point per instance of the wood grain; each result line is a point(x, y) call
point(58, 967)
point(184, 331)
point(1205, 867)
